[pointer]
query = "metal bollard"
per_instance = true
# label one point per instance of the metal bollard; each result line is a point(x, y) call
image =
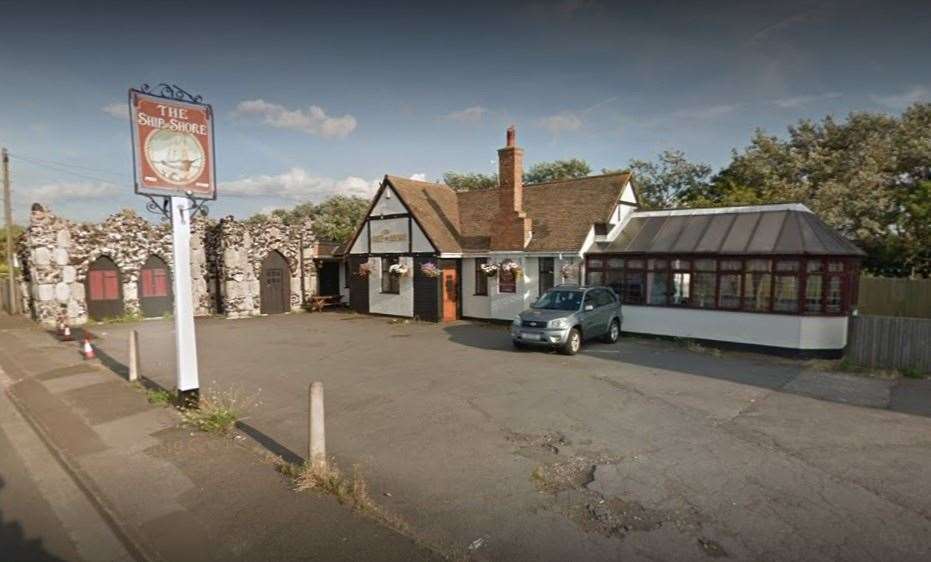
point(317, 445)
point(133, 356)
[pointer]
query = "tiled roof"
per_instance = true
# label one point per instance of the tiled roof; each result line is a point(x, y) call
point(776, 229)
point(562, 212)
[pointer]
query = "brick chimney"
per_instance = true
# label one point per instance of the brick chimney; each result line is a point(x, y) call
point(512, 226)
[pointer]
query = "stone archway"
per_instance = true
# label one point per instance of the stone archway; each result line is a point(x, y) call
point(104, 289)
point(275, 284)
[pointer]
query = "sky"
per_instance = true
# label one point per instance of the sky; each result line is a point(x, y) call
point(313, 99)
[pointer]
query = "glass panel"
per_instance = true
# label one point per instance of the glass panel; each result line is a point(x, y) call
point(680, 288)
point(785, 265)
point(758, 265)
point(731, 265)
point(814, 266)
point(813, 292)
point(633, 287)
point(757, 286)
point(833, 303)
point(704, 265)
point(703, 290)
point(786, 293)
point(635, 264)
point(657, 265)
point(835, 266)
point(595, 277)
point(729, 291)
point(681, 264)
point(481, 278)
point(595, 263)
point(615, 279)
point(615, 263)
point(657, 287)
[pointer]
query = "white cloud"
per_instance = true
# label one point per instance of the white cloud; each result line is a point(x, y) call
point(705, 112)
point(799, 101)
point(51, 192)
point(313, 121)
point(903, 100)
point(297, 185)
point(116, 109)
point(561, 122)
point(419, 177)
point(472, 114)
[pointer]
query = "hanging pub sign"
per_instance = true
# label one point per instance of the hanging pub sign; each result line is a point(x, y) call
point(172, 145)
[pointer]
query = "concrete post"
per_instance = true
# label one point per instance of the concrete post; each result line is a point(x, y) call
point(133, 356)
point(317, 446)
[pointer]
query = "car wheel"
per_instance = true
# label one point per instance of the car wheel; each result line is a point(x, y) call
point(573, 343)
point(614, 332)
point(519, 344)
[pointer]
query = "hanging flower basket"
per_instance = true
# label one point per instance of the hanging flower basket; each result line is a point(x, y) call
point(512, 266)
point(364, 270)
point(569, 270)
point(490, 269)
point(398, 270)
point(430, 269)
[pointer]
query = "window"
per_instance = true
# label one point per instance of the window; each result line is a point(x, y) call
point(657, 282)
point(703, 280)
point(633, 282)
point(481, 278)
point(814, 285)
point(507, 281)
point(546, 274)
point(757, 285)
point(786, 288)
point(390, 283)
point(604, 298)
point(729, 285)
point(681, 282)
point(834, 291)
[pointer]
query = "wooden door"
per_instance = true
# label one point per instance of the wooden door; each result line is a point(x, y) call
point(328, 278)
point(450, 283)
point(104, 289)
point(275, 289)
point(155, 288)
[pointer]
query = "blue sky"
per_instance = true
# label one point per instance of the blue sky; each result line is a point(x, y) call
point(314, 99)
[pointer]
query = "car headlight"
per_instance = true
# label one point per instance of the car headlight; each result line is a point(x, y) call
point(559, 323)
point(516, 321)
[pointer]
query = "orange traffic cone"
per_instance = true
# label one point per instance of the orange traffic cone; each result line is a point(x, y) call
point(66, 334)
point(88, 349)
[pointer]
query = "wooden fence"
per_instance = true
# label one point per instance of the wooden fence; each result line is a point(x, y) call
point(889, 296)
point(888, 342)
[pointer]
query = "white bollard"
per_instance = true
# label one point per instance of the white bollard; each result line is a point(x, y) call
point(133, 356)
point(317, 445)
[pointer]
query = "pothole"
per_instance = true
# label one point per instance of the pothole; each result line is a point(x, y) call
point(550, 441)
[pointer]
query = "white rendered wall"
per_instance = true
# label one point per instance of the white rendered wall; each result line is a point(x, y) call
point(401, 304)
point(419, 242)
point(343, 289)
point(388, 204)
point(474, 306)
point(505, 306)
point(775, 330)
point(361, 245)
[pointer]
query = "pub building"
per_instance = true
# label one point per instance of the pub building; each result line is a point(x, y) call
point(772, 277)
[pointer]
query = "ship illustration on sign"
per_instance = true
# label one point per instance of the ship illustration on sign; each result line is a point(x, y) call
point(175, 157)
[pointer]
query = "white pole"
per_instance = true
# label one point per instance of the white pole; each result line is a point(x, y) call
point(133, 356)
point(317, 445)
point(186, 345)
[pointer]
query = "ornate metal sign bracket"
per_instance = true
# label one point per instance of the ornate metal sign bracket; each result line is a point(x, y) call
point(172, 92)
point(164, 208)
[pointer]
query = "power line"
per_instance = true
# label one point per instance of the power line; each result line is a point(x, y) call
point(34, 160)
point(64, 169)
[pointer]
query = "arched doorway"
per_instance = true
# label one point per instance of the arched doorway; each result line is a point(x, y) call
point(155, 288)
point(104, 289)
point(275, 284)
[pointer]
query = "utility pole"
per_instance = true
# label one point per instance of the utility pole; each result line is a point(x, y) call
point(8, 211)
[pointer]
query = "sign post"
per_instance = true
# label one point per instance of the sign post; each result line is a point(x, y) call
point(173, 156)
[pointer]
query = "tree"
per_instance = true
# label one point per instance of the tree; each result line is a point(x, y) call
point(17, 232)
point(470, 181)
point(334, 219)
point(670, 180)
point(557, 170)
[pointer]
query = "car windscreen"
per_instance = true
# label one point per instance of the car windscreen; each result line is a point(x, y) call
point(559, 300)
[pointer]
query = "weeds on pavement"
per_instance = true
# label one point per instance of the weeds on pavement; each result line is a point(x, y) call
point(219, 410)
point(911, 373)
point(159, 396)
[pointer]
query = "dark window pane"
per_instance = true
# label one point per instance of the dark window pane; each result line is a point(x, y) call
point(703, 290)
point(481, 278)
point(634, 264)
point(595, 263)
point(813, 286)
point(546, 274)
point(731, 265)
point(657, 265)
point(787, 265)
point(390, 283)
point(657, 287)
point(757, 287)
point(681, 264)
point(758, 265)
point(633, 287)
point(729, 291)
point(680, 288)
point(786, 294)
point(614, 278)
point(704, 265)
point(814, 266)
point(507, 281)
point(595, 277)
point(835, 266)
point(615, 263)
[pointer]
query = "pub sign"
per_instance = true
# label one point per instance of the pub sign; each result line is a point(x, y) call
point(172, 146)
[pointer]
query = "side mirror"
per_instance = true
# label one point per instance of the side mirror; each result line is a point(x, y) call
point(589, 307)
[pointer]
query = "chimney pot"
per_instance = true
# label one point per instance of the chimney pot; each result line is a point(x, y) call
point(512, 136)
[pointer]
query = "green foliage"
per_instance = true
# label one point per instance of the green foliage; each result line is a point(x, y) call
point(911, 373)
point(17, 232)
point(335, 219)
point(470, 182)
point(159, 397)
point(557, 170)
point(669, 180)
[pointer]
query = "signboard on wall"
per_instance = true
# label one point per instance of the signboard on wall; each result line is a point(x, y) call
point(172, 146)
point(389, 235)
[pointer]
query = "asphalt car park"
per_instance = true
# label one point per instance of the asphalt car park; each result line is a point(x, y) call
point(641, 449)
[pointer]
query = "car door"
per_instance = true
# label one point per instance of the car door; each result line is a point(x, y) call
point(589, 317)
point(603, 308)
